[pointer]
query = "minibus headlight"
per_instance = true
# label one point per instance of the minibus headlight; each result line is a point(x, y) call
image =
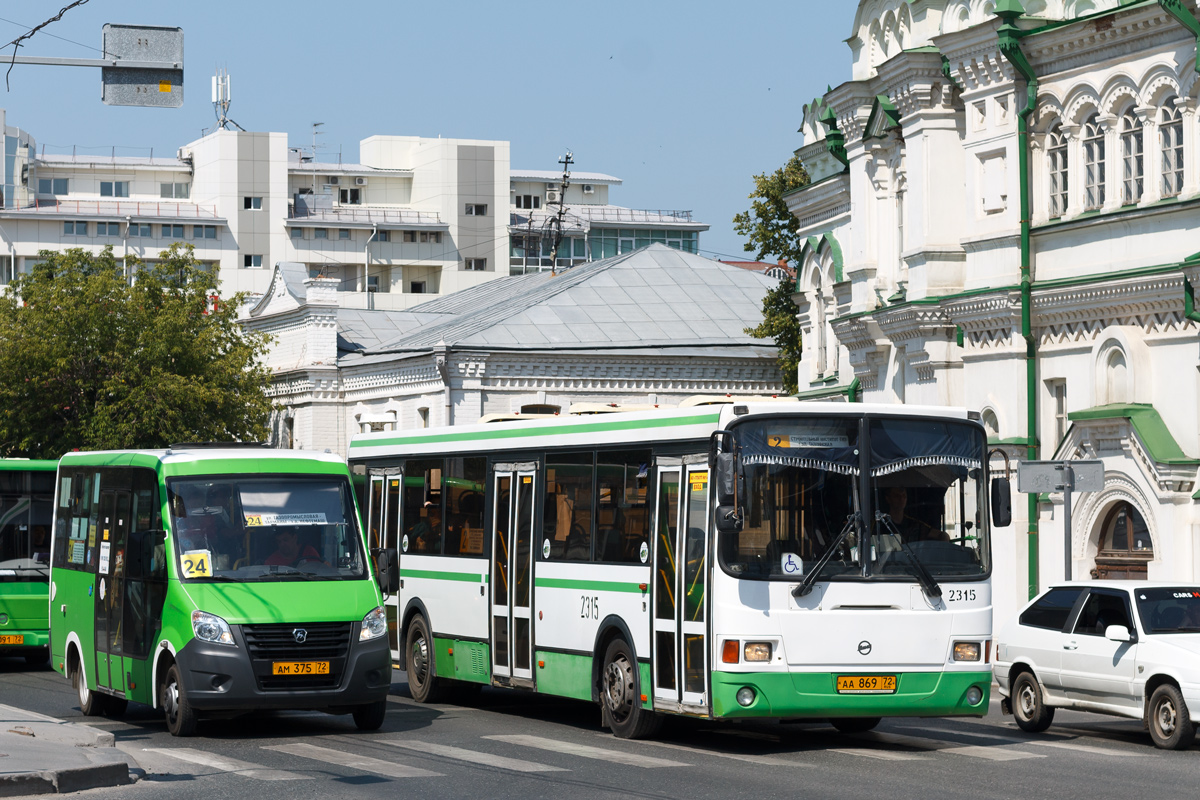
point(758, 651)
point(374, 625)
point(966, 651)
point(211, 628)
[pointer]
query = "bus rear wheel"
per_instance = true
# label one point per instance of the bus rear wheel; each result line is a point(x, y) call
point(620, 695)
point(422, 677)
point(181, 717)
point(854, 724)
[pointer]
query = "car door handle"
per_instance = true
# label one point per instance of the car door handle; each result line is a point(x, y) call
point(1071, 646)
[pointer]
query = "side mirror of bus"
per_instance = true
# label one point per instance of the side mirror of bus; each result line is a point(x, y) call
point(383, 566)
point(1001, 503)
point(726, 477)
point(728, 519)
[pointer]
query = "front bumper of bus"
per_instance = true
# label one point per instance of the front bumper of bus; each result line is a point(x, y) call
point(223, 678)
point(799, 695)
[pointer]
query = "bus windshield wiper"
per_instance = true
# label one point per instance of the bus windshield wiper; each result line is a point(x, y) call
point(923, 575)
point(805, 586)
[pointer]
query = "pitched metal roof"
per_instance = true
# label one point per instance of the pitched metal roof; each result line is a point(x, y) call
point(651, 299)
point(552, 176)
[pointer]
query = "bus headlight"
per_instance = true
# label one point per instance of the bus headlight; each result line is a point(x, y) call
point(745, 696)
point(974, 695)
point(211, 628)
point(757, 651)
point(966, 651)
point(374, 625)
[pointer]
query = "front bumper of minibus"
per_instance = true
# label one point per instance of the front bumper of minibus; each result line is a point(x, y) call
point(220, 677)
point(814, 695)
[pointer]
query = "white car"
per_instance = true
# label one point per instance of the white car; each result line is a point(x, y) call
point(1116, 647)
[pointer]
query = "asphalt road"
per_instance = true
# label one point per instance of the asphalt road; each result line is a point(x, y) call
point(505, 744)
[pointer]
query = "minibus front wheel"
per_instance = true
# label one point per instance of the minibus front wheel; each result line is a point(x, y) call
point(181, 717)
point(369, 717)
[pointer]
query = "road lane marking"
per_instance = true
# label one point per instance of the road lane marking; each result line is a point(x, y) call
point(222, 764)
point(344, 759)
point(995, 753)
point(882, 755)
point(586, 751)
point(474, 756)
point(1065, 745)
point(770, 761)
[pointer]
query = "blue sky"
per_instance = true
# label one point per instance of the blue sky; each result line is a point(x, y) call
point(683, 101)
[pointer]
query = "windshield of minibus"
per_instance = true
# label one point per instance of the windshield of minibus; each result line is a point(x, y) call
point(265, 528)
point(800, 479)
point(927, 493)
point(26, 508)
point(1173, 610)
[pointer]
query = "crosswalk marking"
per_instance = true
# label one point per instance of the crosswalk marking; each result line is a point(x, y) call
point(344, 759)
point(1041, 742)
point(222, 764)
point(586, 751)
point(770, 761)
point(474, 756)
point(881, 755)
point(999, 753)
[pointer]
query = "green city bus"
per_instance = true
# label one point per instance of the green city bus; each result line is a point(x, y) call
point(26, 507)
point(211, 581)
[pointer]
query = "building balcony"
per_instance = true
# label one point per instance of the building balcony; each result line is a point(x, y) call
point(310, 211)
point(44, 208)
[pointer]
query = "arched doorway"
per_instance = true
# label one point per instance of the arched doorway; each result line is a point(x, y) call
point(1125, 546)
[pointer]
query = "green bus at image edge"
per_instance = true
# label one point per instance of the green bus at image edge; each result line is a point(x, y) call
point(26, 507)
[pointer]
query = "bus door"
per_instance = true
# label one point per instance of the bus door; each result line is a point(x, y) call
point(109, 593)
point(512, 572)
point(681, 555)
point(383, 526)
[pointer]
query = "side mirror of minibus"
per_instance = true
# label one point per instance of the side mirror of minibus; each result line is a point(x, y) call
point(726, 477)
point(1001, 503)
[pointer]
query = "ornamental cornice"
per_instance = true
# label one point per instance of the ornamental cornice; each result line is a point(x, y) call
point(989, 322)
point(907, 323)
point(866, 348)
point(1116, 437)
point(1081, 313)
point(1118, 36)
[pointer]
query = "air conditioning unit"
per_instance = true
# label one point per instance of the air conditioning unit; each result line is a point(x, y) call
point(360, 181)
point(589, 189)
point(552, 196)
point(334, 180)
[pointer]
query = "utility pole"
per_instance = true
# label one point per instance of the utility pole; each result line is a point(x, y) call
point(566, 161)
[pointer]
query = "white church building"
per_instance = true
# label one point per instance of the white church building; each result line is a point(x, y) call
point(1002, 216)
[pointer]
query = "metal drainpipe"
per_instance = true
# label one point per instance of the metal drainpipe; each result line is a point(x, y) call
point(443, 367)
point(367, 255)
point(852, 391)
point(1189, 302)
point(125, 248)
point(1010, 48)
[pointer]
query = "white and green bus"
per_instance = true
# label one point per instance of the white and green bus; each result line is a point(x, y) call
point(771, 560)
point(26, 506)
point(215, 581)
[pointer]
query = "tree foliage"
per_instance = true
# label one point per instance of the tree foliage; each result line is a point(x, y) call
point(88, 361)
point(773, 232)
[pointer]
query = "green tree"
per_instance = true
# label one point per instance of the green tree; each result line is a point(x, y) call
point(773, 232)
point(89, 361)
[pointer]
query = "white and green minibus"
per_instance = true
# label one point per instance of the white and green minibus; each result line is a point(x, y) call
point(771, 560)
point(215, 581)
point(26, 506)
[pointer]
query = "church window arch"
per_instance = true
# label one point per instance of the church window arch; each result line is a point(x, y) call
point(1094, 163)
point(1116, 377)
point(1125, 545)
point(1170, 136)
point(1058, 154)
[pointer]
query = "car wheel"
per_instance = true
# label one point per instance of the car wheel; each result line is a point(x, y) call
point(854, 724)
point(1167, 716)
point(369, 717)
point(181, 717)
point(620, 695)
point(1031, 712)
point(422, 677)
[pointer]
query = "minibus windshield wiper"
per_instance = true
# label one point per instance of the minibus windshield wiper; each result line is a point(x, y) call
point(923, 575)
point(805, 586)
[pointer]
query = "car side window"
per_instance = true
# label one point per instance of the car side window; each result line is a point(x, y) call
point(1052, 610)
point(1101, 610)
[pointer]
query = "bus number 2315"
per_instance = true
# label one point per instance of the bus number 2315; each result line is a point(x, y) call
point(589, 607)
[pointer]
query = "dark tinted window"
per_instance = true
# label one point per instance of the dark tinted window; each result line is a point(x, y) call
point(1052, 610)
point(1100, 611)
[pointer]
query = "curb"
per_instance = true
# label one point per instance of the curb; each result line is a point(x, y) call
point(64, 780)
point(75, 738)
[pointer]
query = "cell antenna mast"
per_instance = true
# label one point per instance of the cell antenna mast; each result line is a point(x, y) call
point(221, 99)
point(557, 222)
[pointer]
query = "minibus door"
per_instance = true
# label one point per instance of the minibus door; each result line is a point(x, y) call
point(109, 593)
point(512, 572)
point(680, 658)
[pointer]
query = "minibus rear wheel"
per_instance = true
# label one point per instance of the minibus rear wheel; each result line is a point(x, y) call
point(369, 717)
point(181, 717)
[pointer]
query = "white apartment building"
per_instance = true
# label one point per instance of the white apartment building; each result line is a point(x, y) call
point(1002, 216)
point(414, 217)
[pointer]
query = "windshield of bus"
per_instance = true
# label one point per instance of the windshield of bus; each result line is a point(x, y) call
point(265, 528)
point(1173, 610)
point(26, 508)
point(927, 493)
point(801, 487)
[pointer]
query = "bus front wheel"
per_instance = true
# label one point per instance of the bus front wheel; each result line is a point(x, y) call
point(91, 704)
point(620, 697)
point(422, 677)
point(181, 717)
